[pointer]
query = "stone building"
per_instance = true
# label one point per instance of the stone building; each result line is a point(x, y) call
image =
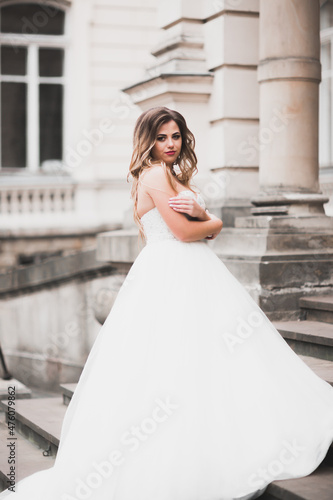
point(76, 74)
point(66, 124)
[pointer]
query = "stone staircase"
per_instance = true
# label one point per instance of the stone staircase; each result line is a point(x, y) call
point(39, 420)
point(312, 334)
point(37, 431)
point(311, 337)
point(38, 424)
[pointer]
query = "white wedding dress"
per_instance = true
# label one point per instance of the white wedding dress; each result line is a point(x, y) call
point(189, 392)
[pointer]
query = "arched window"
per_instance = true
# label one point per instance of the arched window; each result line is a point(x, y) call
point(32, 44)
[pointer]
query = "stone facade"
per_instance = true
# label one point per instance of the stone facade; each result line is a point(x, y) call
point(199, 57)
point(106, 45)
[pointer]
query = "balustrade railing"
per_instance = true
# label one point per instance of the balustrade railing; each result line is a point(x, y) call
point(36, 199)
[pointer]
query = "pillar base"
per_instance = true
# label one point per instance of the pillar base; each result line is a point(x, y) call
point(286, 223)
point(279, 259)
point(289, 204)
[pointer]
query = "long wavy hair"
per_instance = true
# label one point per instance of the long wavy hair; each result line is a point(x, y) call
point(144, 139)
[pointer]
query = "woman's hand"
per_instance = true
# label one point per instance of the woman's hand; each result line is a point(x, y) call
point(188, 206)
point(213, 235)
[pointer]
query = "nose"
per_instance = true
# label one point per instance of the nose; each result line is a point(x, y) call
point(170, 142)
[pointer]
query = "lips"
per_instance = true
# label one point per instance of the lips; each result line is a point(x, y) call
point(170, 153)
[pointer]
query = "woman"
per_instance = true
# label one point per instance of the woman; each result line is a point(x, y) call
point(159, 144)
point(189, 392)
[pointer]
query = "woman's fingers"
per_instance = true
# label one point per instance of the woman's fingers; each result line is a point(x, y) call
point(181, 202)
point(182, 209)
point(180, 205)
point(186, 205)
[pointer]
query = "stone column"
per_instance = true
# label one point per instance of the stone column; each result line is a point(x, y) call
point(284, 251)
point(289, 74)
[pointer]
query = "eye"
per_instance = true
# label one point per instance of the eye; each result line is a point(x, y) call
point(160, 139)
point(176, 136)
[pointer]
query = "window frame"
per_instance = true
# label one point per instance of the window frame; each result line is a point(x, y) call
point(33, 42)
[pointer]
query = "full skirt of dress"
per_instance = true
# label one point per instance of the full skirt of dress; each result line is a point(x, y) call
point(189, 393)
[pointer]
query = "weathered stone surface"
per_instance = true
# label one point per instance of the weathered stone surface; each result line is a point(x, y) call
point(288, 223)
point(310, 338)
point(52, 270)
point(48, 316)
point(279, 259)
point(31, 458)
point(40, 420)
point(21, 390)
point(317, 308)
point(118, 246)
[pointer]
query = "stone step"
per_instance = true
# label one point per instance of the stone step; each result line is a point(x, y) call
point(40, 421)
point(317, 308)
point(310, 338)
point(6, 387)
point(29, 458)
point(321, 367)
point(67, 392)
point(316, 486)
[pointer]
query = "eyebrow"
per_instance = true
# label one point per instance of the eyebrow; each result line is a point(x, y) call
point(164, 135)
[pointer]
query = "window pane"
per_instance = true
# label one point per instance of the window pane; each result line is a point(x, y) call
point(13, 124)
point(32, 19)
point(50, 121)
point(13, 60)
point(51, 62)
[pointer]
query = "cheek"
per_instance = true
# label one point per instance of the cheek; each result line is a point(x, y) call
point(155, 151)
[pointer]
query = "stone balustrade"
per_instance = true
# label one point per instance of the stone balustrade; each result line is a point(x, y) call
point(25, 199)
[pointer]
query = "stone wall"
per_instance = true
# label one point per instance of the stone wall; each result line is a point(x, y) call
point(48, 316)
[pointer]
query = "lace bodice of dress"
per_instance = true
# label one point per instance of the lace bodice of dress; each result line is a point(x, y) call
point(153, 223)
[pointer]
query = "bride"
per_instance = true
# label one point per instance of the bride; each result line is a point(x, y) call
point(189, 392)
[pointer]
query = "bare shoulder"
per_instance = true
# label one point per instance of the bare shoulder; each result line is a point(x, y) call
point(154, 173)
point(156, 178)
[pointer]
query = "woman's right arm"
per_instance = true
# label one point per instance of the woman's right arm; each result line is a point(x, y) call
point(159, 189)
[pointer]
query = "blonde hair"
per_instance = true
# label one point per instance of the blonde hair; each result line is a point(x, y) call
point(144, 139)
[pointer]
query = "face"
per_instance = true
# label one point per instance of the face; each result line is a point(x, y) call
point(168, 143)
